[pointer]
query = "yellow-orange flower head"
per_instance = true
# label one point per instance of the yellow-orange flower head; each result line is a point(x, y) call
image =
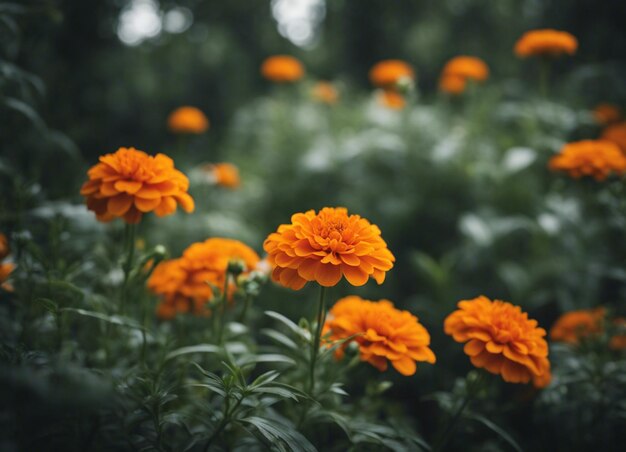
point(452, 84)
point(325, 92)
point(607, 114)
point(596, 158)
point(187, 283)
point(4, 247)
point(282, 69)
point(501, 339)
point(383, 333)
point(546, 43)
point(467, 68)
point(224, 174)
point(616, 133)
point(129, 183)
point(187, 120)
point(575, 325)
point(387, 73)
point(325, 246)
point(391, 99)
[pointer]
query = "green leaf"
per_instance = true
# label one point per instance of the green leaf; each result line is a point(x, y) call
point(26, 110)
point(289, 324)
point(266, 358)
point(48, 305)
point(496, 429)
point(274, 431)
point(201, 348)
point(280, 338)
point(114, 319)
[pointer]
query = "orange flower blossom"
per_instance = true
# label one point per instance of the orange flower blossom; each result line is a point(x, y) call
point(546, 43)
point(452, 84)
point(575, 325)
point(502, 339)
point(382, 332)
point(466, 67)
point(325, 92)
point(282, 69)
point(616, 133)
point(187, 283)
point(4, 247)
point(596, 158)
point(5, 271)
point(223, 174)
point(387, 73)
point(129, 183)
point(607, 113)
point(391, 99)
point(325, 246)
point(187, 120)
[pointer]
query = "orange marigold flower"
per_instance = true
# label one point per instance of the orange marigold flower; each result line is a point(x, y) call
point(282, 69)
point(616, 133)
point(618, 341)
point(382, 332)
point(325, 246)
point(187, 283)
point(607, 113)
point(187, 120)
point(596, 158)
point(391, 99)
point(546, 43)
point(5, 271)
point(501, 339)
point(224, 174)
point(129, 183)
point(4, 246)
point(467, 68)
point(325, 92)
point(452, 84)
point(387, 73)
point(575, 325)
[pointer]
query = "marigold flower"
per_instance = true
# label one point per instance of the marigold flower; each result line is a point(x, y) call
point(382, 332)
point(452, 84)
point(616, 133)
point(467, 68)
point(224, 174)
point(4, 247)
point(325, 246)
point(5, 271)
point(501, 339)
point(187, 120)
point(575, 325)
point(325, 92)
point(596, 158)
point(607, 113)
point(387, 73)
point(129, 183)
point(618, 341)
point(282, 69)
point(391, 99)
point(546, 43)
point(187, 283)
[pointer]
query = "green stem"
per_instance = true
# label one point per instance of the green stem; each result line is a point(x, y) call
point(246, 306)
point(129, 235)
point(225, 420)
point(321, 317)
point(222, 307)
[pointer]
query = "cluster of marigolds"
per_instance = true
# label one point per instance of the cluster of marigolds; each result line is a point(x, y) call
point(327, 246)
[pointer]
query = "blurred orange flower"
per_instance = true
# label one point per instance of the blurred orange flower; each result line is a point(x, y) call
point(325, 246)
point(282, 69)
point(391, 99)
point(224, 174)
point(325, 92)
point(467, 68)
point(607, 113)
point(501, 339)
point(4, 246)
point(616, 133)
point(452, 84)
point(387, 73)
point(575, 325)
point(187, 283)
point(382, 332)
point(129, 183)
point(546, 43)
point(596, 158)
point(618, 341)
point(5, 271)
point(187, 120)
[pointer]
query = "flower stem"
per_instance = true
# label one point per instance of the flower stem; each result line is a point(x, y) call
point(222, 307)
point(321, 317)
point(129, 237)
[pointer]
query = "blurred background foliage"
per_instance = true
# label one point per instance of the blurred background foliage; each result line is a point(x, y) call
point(458, 186)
